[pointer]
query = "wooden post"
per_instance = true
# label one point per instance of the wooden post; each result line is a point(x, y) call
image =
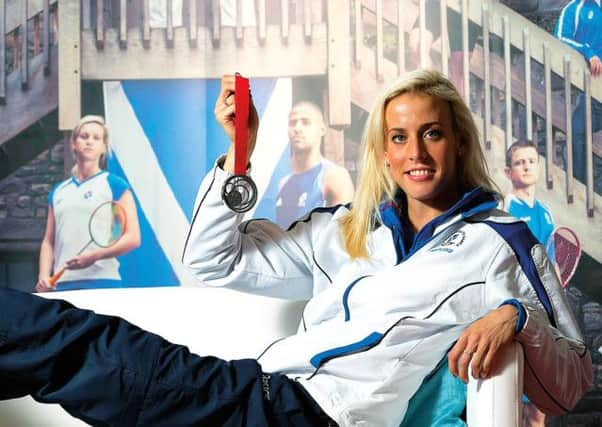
point(568, 115)
point(261, 21)
point(169, 22)
point(284, 24)
point(123, 28)
point(339, 63)
point(192, 24)
point(307, 24)
point(507, 82)
point(401, 41)
point(215, 23)
point(358, 32)
point(589, 155)
point(486, 78)
point(86, 8)
point(422, 32)
point(24, 70)
point(380, 56)
point(465, 54)
point(2, 52)
point(46, 37)
point(100, 24)
point(239, 29)
point(146, 24)
point(528, 95)
point(444, 38)
point(547, 65)
point(69, 64)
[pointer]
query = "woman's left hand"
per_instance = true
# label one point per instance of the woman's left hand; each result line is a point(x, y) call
point(481, 342)
point(81, 261)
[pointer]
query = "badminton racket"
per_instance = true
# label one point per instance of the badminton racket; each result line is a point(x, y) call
point(106, 225)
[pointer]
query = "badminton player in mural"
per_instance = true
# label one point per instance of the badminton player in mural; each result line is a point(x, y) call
point(91, 218)
point(313, 180)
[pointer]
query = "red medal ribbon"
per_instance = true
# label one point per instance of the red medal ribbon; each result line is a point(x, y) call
point(239, 192)
point(241, 124)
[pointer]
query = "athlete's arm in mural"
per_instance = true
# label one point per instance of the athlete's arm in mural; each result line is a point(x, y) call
point(46, 254)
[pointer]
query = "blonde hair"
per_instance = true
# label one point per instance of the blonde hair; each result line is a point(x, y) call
point(102, 162)
point(375, 182)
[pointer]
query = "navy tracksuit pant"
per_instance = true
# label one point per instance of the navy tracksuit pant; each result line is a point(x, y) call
point(109, 372)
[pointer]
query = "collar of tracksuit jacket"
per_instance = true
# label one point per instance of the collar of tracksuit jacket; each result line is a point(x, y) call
point(406, 241)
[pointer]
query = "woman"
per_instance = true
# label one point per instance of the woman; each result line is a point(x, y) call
point(70, 205)
point(422, 261)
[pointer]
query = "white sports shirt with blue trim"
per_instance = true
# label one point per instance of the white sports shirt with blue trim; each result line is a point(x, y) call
point(73, 203)
point(537, 216)
point(374, 328)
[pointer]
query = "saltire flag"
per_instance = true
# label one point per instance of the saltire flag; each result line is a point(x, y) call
point(164, 139)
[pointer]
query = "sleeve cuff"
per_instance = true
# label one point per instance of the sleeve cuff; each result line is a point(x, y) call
point(522, 314)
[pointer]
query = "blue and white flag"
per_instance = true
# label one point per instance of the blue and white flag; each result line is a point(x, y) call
point(164, 139)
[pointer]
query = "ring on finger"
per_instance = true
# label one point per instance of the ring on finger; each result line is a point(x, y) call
point(468, 353)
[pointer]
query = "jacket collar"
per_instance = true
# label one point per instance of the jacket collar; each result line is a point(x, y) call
point(394, 217)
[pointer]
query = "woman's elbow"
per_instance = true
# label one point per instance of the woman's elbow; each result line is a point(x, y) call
point(136, 241)
point(132, 241)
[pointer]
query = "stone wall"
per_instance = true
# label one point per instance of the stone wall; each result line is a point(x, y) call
point(24, 200)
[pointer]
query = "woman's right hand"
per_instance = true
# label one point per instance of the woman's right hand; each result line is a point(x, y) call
point(225, 110)
point(44, 285)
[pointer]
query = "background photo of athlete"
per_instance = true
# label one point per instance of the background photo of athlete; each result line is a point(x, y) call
point(313, 181)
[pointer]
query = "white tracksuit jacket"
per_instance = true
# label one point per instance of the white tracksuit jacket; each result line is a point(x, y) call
point(373, 329)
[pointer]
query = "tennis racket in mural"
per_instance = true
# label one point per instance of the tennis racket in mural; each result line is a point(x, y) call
point(567, 251)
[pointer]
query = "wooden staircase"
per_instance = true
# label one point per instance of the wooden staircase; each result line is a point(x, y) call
point(357, 45)
point(28, 94)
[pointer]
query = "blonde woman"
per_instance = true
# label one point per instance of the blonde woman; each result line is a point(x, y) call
point(420, 263)
point(70, 204)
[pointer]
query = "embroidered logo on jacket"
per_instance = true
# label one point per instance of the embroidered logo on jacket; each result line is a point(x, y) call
point(452, 242)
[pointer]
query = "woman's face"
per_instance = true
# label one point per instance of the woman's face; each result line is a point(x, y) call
point(421, 149)
point(89, 143)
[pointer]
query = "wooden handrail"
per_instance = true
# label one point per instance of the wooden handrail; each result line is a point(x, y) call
point(13, 17)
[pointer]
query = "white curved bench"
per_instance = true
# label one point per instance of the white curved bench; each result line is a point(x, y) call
point(201, 317)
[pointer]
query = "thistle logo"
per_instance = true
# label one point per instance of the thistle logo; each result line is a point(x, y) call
point(87, 194)
point(452, 242)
